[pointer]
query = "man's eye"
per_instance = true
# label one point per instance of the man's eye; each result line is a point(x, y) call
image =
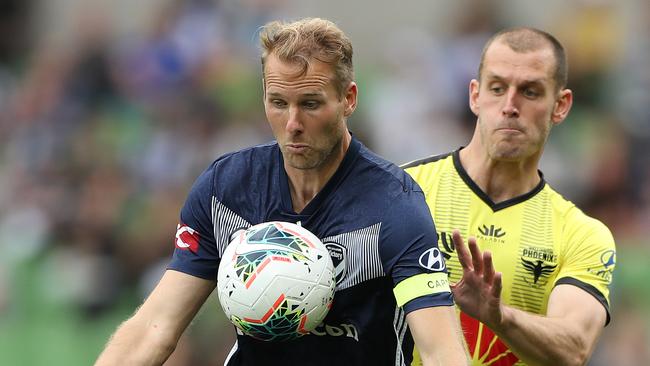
point(311, 104)
point(530, 93)
point(497, 89)
point(278, 103)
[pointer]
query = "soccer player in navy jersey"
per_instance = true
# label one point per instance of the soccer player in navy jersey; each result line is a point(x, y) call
point(392, 289)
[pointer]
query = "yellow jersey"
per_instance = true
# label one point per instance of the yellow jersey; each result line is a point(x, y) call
point(538, 240)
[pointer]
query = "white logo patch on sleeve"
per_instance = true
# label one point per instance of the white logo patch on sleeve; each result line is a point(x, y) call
point(433, 260)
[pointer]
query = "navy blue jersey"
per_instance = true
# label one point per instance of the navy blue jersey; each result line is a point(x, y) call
point(372, 217)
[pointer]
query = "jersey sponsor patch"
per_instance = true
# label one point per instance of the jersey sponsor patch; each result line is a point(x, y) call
point(432, 259)
point(421, 285)
point(491, 234)
point(339, 330)
point(187, 238)
point(608, 262)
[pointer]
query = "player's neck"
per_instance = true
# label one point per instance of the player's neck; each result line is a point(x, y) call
point(304, 184)
point(303, 190)
point(499, 180)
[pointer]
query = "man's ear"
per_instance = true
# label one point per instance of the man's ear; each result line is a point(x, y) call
point(474, 87)
point(350, 99)
point(562, 106)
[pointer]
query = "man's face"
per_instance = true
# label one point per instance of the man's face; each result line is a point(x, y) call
point(516, 101)
point(306, 114)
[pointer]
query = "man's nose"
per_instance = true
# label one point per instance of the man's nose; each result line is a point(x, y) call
point(294, 123)
point(510, 108)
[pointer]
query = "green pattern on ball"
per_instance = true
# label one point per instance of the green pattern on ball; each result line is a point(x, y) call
point(246, 264)
point(291, 246)
point(271, 235)
point(281, 326)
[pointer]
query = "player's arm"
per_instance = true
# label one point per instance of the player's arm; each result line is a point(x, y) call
point(565, 336)
point(437, 336)
point(151, 334)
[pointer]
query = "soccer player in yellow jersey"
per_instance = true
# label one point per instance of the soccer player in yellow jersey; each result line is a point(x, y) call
point(549, 300)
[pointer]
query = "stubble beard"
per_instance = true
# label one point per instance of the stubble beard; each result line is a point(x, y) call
point(314, 158)
point(514, 148)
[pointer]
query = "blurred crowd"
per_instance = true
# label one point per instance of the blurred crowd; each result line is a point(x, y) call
point(103, 131)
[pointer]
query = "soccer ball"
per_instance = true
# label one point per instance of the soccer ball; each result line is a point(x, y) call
point(276, 281)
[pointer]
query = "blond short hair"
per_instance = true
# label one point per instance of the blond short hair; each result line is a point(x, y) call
point(309, 39)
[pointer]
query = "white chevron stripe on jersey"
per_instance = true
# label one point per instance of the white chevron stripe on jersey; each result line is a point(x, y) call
point(225, 223)
point(231, 353)
point(400, 326)
point(362, 261)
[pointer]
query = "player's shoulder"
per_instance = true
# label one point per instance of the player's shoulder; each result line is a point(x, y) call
point(245, 160)
point(264, 152)
point(428, 161)
point(238, 167)
point(426, 170)
point(394, 195)
point(575, 219)
point(563, 207)
point(381, 170)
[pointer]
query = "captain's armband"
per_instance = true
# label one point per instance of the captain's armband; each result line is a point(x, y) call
point(421, 285)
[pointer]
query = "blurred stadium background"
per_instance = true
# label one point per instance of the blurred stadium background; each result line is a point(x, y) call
point(110, 109)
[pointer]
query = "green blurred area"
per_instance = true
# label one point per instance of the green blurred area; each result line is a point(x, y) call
point(37, 327)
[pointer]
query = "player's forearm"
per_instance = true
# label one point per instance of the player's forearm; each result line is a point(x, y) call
point(449, 353)
point(454, 354)
point(438, 337)
point(452, 350)
point(136, 344)
point(540, 340)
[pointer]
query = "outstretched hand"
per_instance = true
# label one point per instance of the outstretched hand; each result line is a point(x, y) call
point(478, 293)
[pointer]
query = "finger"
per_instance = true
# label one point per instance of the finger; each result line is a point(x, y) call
point(461, 250)
point(488, 267)
point(496, 287)
point(477, 257)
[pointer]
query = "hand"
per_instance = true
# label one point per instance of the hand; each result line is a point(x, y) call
point(478, 293)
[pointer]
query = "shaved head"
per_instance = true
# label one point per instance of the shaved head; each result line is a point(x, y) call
point(525, 39)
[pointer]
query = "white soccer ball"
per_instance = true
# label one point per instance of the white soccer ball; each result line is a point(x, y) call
point(276, 281)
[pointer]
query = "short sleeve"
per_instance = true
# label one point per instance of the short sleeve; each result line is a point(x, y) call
point(195, 251)
point(411, 256)
point(589, 259)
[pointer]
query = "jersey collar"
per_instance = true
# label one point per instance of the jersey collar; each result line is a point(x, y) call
point(484, 197)
point(330, 186)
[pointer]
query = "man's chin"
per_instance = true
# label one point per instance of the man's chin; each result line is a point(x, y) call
point(300, 162)
point(508, 153)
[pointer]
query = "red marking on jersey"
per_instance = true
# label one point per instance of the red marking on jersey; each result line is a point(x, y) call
point(187, 238)
point(491, 350)
point(268, 314)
